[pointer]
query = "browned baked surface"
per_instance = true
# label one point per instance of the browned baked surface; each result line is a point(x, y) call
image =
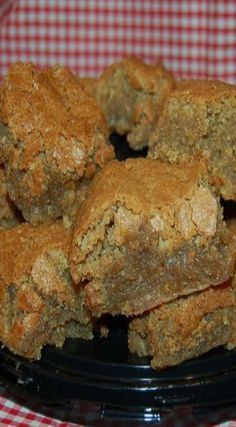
point(131, 94)
point(38, 301)
point(147, 233)
point(89, 84)
point(53, 139)
point(188, 326)
point(200, 116)
point(8, 214)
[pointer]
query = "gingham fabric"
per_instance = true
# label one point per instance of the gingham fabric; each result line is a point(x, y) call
point(14, 415)
point(194, 39)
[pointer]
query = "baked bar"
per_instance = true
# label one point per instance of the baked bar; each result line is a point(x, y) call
point(148, 232)
point(131, 94)
point(200, 116)
point(53, 138)
point(9, 217)
point(38, 301)
point(186, 327)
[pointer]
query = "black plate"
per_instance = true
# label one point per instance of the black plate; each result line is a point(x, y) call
point(116, 384)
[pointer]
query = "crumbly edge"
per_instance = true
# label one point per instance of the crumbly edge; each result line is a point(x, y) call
point(141, 108)
point(44, 318)
point(214, 330)
point(186, 327)
point(175, 141)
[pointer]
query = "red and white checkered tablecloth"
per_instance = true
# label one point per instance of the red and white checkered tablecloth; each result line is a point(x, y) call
point(194, 38)
point(14, 415)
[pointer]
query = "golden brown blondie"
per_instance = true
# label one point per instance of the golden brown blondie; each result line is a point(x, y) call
point(38, 301)
point(53, 138)
point(200, 116)
point(188, 326)
point(148, 232)
point(131, 94)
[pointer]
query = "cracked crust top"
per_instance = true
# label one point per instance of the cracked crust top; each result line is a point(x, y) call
point(175, 199)
point(53, 135)
point(145, 186)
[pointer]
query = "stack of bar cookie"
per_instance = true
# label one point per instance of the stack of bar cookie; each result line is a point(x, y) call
point(54, 139)
point(84, 235)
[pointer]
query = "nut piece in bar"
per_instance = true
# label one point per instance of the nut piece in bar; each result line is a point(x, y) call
point(147, 233)
point(39, 303)
point(53, 138)
point(131, 94)
point(200, 116)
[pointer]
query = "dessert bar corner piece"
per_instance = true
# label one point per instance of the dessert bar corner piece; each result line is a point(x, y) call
point(147, 233)
point(53, 139)
point(200, 116)
point(187, 327)
point(39, 303)
point(132, 94)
